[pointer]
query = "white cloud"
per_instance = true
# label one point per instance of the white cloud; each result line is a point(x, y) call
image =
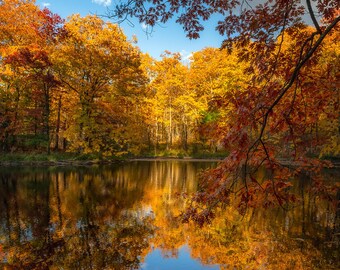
point(102, 2)
point(186, 56)
point(44, 4)
point(144, 26)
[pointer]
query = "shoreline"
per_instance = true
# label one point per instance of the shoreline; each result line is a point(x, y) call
point(75, 161)
point(50, 163)
point(92, 162)
point(335, 165)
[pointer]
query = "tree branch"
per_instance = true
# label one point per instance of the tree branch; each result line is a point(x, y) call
point(311, 12)
point(294, 75)
point(285, 88)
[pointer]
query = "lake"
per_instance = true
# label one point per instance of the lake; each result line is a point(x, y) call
point(125, 216)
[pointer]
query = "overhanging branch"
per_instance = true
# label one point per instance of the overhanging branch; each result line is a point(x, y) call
point(288, 85)
point(295, 74)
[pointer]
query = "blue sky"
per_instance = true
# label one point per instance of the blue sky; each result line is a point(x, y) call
point(169, 37)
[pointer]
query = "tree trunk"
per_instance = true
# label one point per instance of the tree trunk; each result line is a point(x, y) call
point(58, 125)
point(46, 116)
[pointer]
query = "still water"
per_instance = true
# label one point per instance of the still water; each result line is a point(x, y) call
point(124, 217)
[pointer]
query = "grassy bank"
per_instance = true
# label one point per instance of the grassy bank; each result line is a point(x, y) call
point(53, 158)
point(75, 158)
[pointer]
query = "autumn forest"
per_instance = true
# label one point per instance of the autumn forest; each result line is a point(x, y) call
point(81, 86)
point(269, 97)
point(264, 105)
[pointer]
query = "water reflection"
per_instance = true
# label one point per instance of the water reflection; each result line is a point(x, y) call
point(123, 217)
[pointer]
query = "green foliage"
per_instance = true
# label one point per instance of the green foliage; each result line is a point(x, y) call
point(38, 142)
point(210, 117)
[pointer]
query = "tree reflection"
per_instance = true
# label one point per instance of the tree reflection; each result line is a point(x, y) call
point(113, 217)
point(305, 237)
point(83, 224)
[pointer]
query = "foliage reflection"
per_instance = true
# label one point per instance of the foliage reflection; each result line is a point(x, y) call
point(113, 217)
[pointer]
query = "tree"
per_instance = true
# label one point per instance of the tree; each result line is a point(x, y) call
point(100, 71)
point(13, 35)
point(166, 87)
point(26, 75)
point(217, 78)
point(271, 105)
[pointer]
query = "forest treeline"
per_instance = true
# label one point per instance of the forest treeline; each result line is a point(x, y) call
point(82, 86)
